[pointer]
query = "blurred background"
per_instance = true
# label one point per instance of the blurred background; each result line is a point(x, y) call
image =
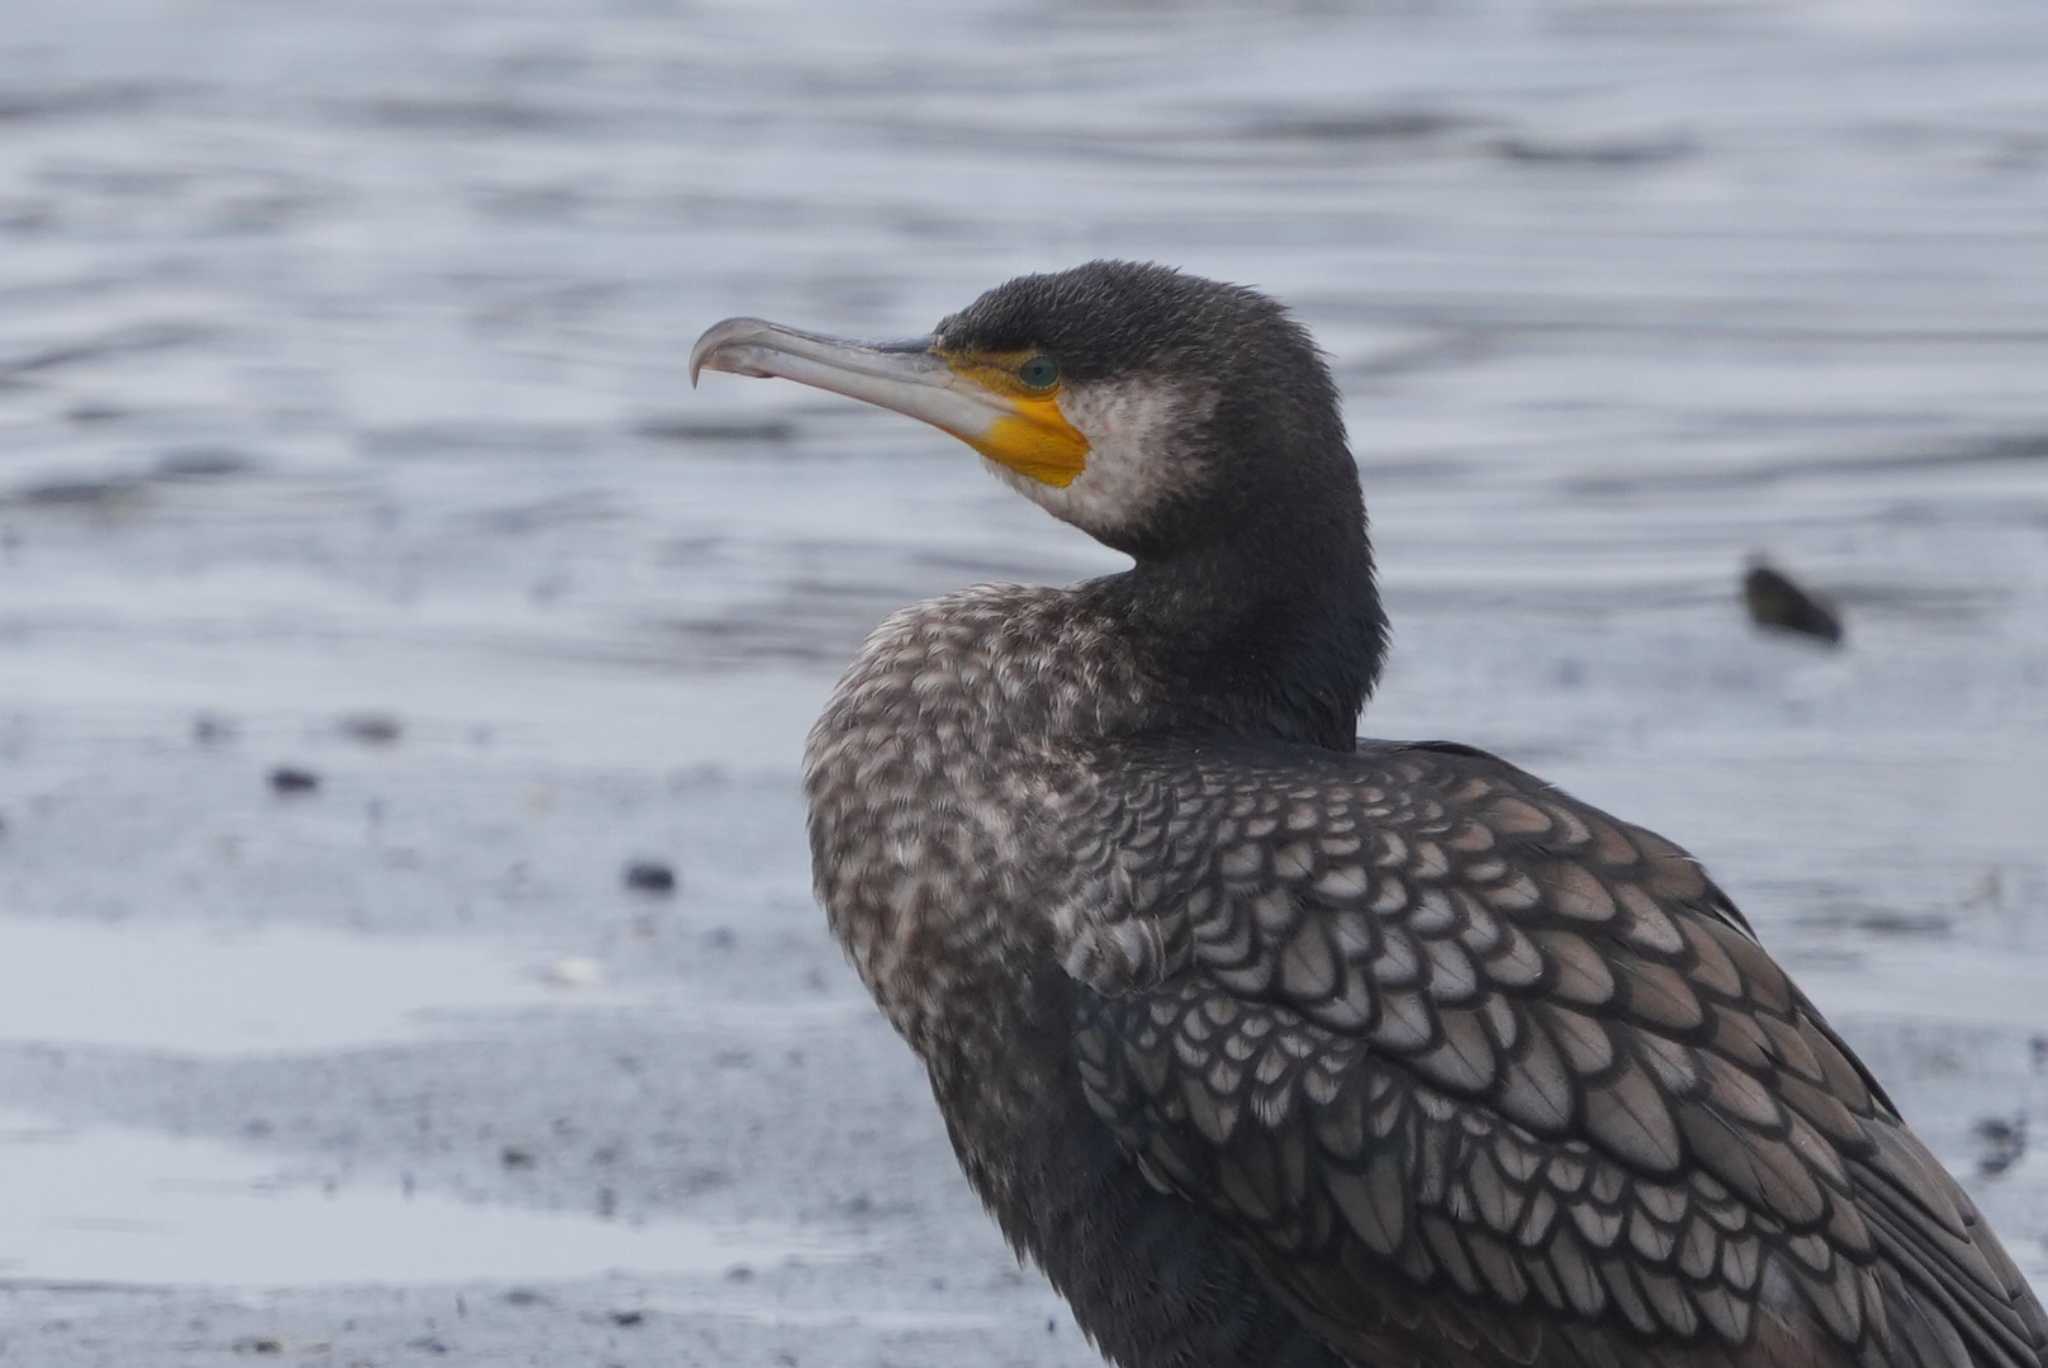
point(406, 945)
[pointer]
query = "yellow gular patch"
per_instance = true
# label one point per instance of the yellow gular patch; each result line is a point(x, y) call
point(1034, 438)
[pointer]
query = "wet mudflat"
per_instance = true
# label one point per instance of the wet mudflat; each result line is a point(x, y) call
point(343, 434)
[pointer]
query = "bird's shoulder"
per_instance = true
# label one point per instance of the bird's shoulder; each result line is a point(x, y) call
point(1189, 833)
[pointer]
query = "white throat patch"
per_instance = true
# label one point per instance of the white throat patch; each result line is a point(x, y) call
point(1133, 462)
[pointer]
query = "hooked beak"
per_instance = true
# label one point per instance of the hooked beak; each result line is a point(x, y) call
point(1027, 433)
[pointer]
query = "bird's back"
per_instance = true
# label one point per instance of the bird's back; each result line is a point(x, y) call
point(1482, 1074)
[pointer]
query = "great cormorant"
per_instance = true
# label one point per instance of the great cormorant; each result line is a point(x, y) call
point(1275, 1047)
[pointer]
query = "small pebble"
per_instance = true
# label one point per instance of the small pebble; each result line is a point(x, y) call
point(650, 876)
point(628, 1318)
point(1777, 603)
point(258, 1344)
point(513, 1157)
point(291, 779)
point(211, 729)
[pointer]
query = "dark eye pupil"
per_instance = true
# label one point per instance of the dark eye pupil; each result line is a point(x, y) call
point(1039, 372)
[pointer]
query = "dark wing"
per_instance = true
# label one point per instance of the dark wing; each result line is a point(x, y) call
point(1468, 1065)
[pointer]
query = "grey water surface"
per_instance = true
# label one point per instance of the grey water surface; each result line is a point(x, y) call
point(343, 425)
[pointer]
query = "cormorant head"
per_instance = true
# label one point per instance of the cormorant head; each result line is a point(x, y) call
point(1188, 423)
point(1161, 413)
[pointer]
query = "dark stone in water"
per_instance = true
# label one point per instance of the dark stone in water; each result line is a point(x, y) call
point(291, 779)
point(1778, 603)
point(650, 876)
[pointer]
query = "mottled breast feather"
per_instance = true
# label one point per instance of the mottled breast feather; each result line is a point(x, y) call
point(1473, 1069)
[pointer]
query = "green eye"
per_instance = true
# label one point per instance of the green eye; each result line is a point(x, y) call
point(1039, 373)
